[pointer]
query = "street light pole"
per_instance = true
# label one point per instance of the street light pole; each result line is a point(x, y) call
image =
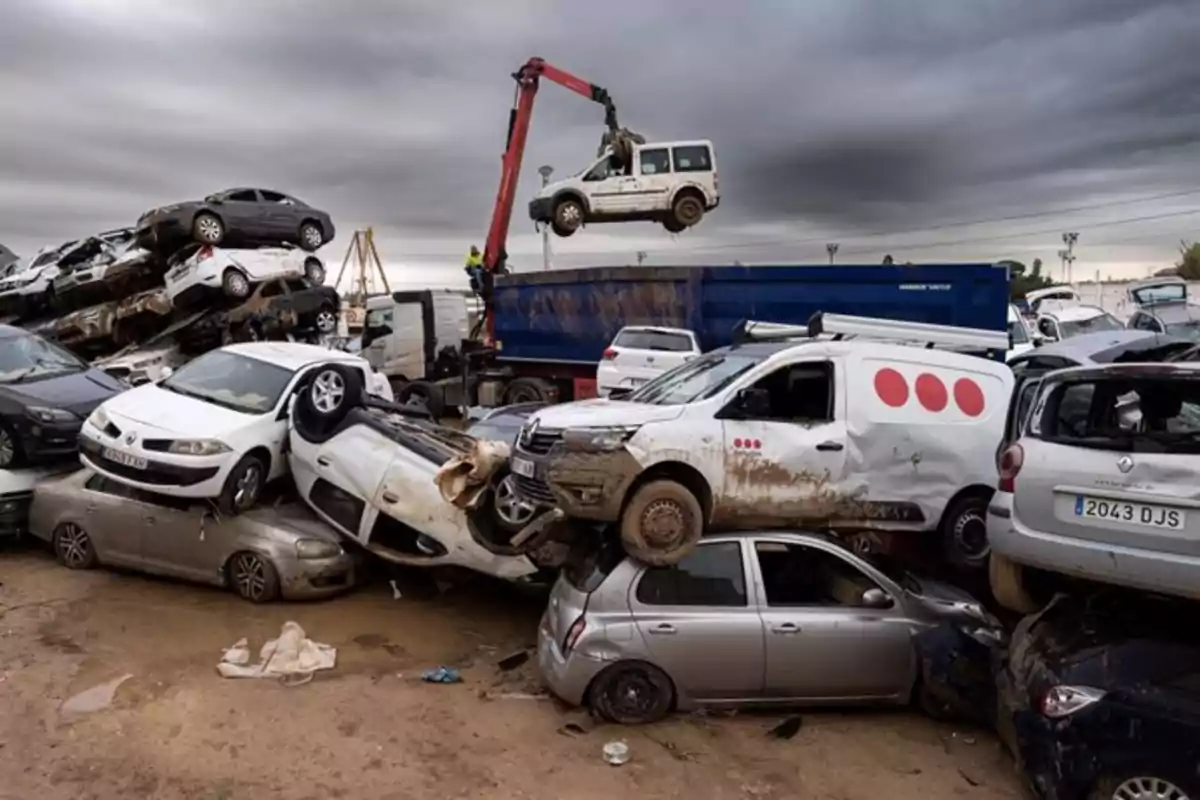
point(1069, 239)
point(832, 249)
point(545, 171)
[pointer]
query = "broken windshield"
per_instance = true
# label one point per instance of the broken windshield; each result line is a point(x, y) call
point(26, 357)
point(1096, 324)
point(695, 380)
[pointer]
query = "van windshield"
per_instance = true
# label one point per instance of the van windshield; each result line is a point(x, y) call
point(694, 381)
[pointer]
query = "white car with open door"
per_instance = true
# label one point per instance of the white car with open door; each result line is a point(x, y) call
point(215, 428)
point(198, 271)
point(368, 469)
point(640, 353)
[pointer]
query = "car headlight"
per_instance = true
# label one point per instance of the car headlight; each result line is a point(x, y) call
point(317, 548)
point(602, 438)
point(197, 447)
point(43, 414)
point(1063, 701)
point(98, 419)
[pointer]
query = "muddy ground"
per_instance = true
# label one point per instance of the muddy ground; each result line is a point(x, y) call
point(370, 728)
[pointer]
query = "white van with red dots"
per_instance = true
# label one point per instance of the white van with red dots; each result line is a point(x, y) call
point(853, 425)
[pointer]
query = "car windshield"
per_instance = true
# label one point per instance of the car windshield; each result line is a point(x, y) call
point(694, 381)
point(26, 357)
point(1171, 292)
point(231, 381)
point(646, 339)
point(1016, 332)
point(44, 259)
point(1100, 322)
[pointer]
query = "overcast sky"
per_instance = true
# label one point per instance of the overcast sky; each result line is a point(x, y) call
point(886, 126)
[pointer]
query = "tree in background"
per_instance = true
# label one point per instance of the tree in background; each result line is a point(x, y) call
point(1025, 280)
point(1189, 261)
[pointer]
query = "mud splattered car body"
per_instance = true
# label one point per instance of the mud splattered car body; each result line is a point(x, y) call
point(116, 323)
point(829, 434)
point(275, 309)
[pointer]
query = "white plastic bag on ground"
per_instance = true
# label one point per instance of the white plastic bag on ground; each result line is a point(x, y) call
point(462, 480)
point(293, 655)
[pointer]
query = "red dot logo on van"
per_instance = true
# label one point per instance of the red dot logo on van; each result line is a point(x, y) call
point(969, 397)
point(891, 387)
point(931, 392)
point(737, 442)
point(757, 444)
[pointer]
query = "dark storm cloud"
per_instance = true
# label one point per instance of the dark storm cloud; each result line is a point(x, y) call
point(848, 113)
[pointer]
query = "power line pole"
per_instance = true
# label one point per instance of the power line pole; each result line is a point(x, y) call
point(641, 256)
point(832, 249)
point(1069, 239)
point(545, 171)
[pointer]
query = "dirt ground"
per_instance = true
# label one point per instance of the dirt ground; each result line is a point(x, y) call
point(370, 728)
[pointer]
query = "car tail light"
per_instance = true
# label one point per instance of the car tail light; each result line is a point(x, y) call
point(610, 354)
point(1063, 701)
point(205, 252)
point(573, 634)
point(1011, 461)
point(716, 180)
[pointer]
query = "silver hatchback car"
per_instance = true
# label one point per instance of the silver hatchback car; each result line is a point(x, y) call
point(748, 618)
point(1103, 484)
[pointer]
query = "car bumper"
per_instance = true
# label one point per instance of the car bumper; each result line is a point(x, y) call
point(14, 513)
point(42, 441)
point(541, 209)
point(181, 476)
point(1150, 571)
point(315, 578)
point(568, 677)
point(589, 487)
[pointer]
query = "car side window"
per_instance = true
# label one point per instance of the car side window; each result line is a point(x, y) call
point(244, 196)
point(795, 575)
point(273, 197)
point(692, 158)
point(654, 162)
point(711, 576)
point(799, 393)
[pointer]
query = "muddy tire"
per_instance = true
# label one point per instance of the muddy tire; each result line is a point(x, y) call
point(243, 486)
point(631, 693)
point(529, 390)
point(661, 523)
point(964, 534)
point(11, 454)
point(207, 228)
point(568, 216)
point(931, 705)
point(673, 225)
point(421, 393)
point(311, 237)
point(1007, 581)
point(326, 320)
point(1144, 784)
point(73, 547)
point(688, 210)
point(314, 271)
point(253, 577)
point(235, 284)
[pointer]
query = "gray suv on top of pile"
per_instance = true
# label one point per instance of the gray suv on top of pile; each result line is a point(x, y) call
point(1103, 484)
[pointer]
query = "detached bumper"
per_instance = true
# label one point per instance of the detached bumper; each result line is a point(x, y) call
point(541, 209)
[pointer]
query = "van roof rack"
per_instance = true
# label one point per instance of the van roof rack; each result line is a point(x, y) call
point(843, 326)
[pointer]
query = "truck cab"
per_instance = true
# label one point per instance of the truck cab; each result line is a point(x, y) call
point(673, 183)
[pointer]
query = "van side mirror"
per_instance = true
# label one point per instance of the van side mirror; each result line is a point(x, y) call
point(875, 598)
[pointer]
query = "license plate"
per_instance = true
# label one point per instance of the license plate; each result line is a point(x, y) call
point(1172, 519)
point(124, 459)
point(636, 381)
point(523, 467)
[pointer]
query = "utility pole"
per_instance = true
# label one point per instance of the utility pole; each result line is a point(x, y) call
point(641, 256)
point(832, 249)
point(545, 171)
point(1069, 239)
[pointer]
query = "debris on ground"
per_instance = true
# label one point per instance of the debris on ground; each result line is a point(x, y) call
point(511, 662)
point(97, 698)
point(463, 480)
point(292, 658)
point(787, 729)
point(616, 752)
point(441, 675)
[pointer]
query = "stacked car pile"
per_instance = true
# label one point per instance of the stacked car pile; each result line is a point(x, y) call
point(237, 265)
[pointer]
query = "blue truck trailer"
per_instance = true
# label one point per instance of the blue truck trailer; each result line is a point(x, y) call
point(551, 328)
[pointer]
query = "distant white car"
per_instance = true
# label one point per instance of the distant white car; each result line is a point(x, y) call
point(214, 429)
point(197, 271)
point(640, 353)
point(28, 288)
point(674, 183)
point(84, 268)
point(1058, 320)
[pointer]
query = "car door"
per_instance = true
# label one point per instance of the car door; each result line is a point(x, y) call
point(279, 213)
point(699, 624)
point(784, 444)
point(180, 537)
point(823, 642)
point(654, 181)
point(603, 184)
point(113, 521)
point(243, 211)
point(347, 472)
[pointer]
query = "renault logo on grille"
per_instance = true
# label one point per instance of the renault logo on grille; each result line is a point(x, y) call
point(528, 432)
point(130, 438)
point(1124, 463)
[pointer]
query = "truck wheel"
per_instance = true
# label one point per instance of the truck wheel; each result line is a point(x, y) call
point(529, 390)
point(568, 216)
point(423, 393)
point(964, 533)
point(1007, 580)
point(662, 523)
point(688, 210)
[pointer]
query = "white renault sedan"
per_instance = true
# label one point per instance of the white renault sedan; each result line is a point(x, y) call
point(214, 429)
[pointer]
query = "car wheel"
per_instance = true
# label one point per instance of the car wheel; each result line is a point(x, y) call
point(568, 216)
point(512, 513)
point(964, 534)
point(253, 577)
point(208, 229)
point(1007, 581)
point(529, 390)
point(235, 284)
point(311, 236)
point(73, 547)
point(422, 393)
point(243, 486)
point(661, 523)
point(631, 693)
point(11, 454)
point(1141, 787)
point(314, 270)
point(326, 321)
point(688, 210)
point(673, 225)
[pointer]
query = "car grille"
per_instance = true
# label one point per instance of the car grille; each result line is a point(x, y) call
point(535, 490)
point(155, 476)
point(540, 442)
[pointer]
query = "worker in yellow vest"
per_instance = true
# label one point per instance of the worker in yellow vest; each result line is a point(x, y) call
point(474, 269)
